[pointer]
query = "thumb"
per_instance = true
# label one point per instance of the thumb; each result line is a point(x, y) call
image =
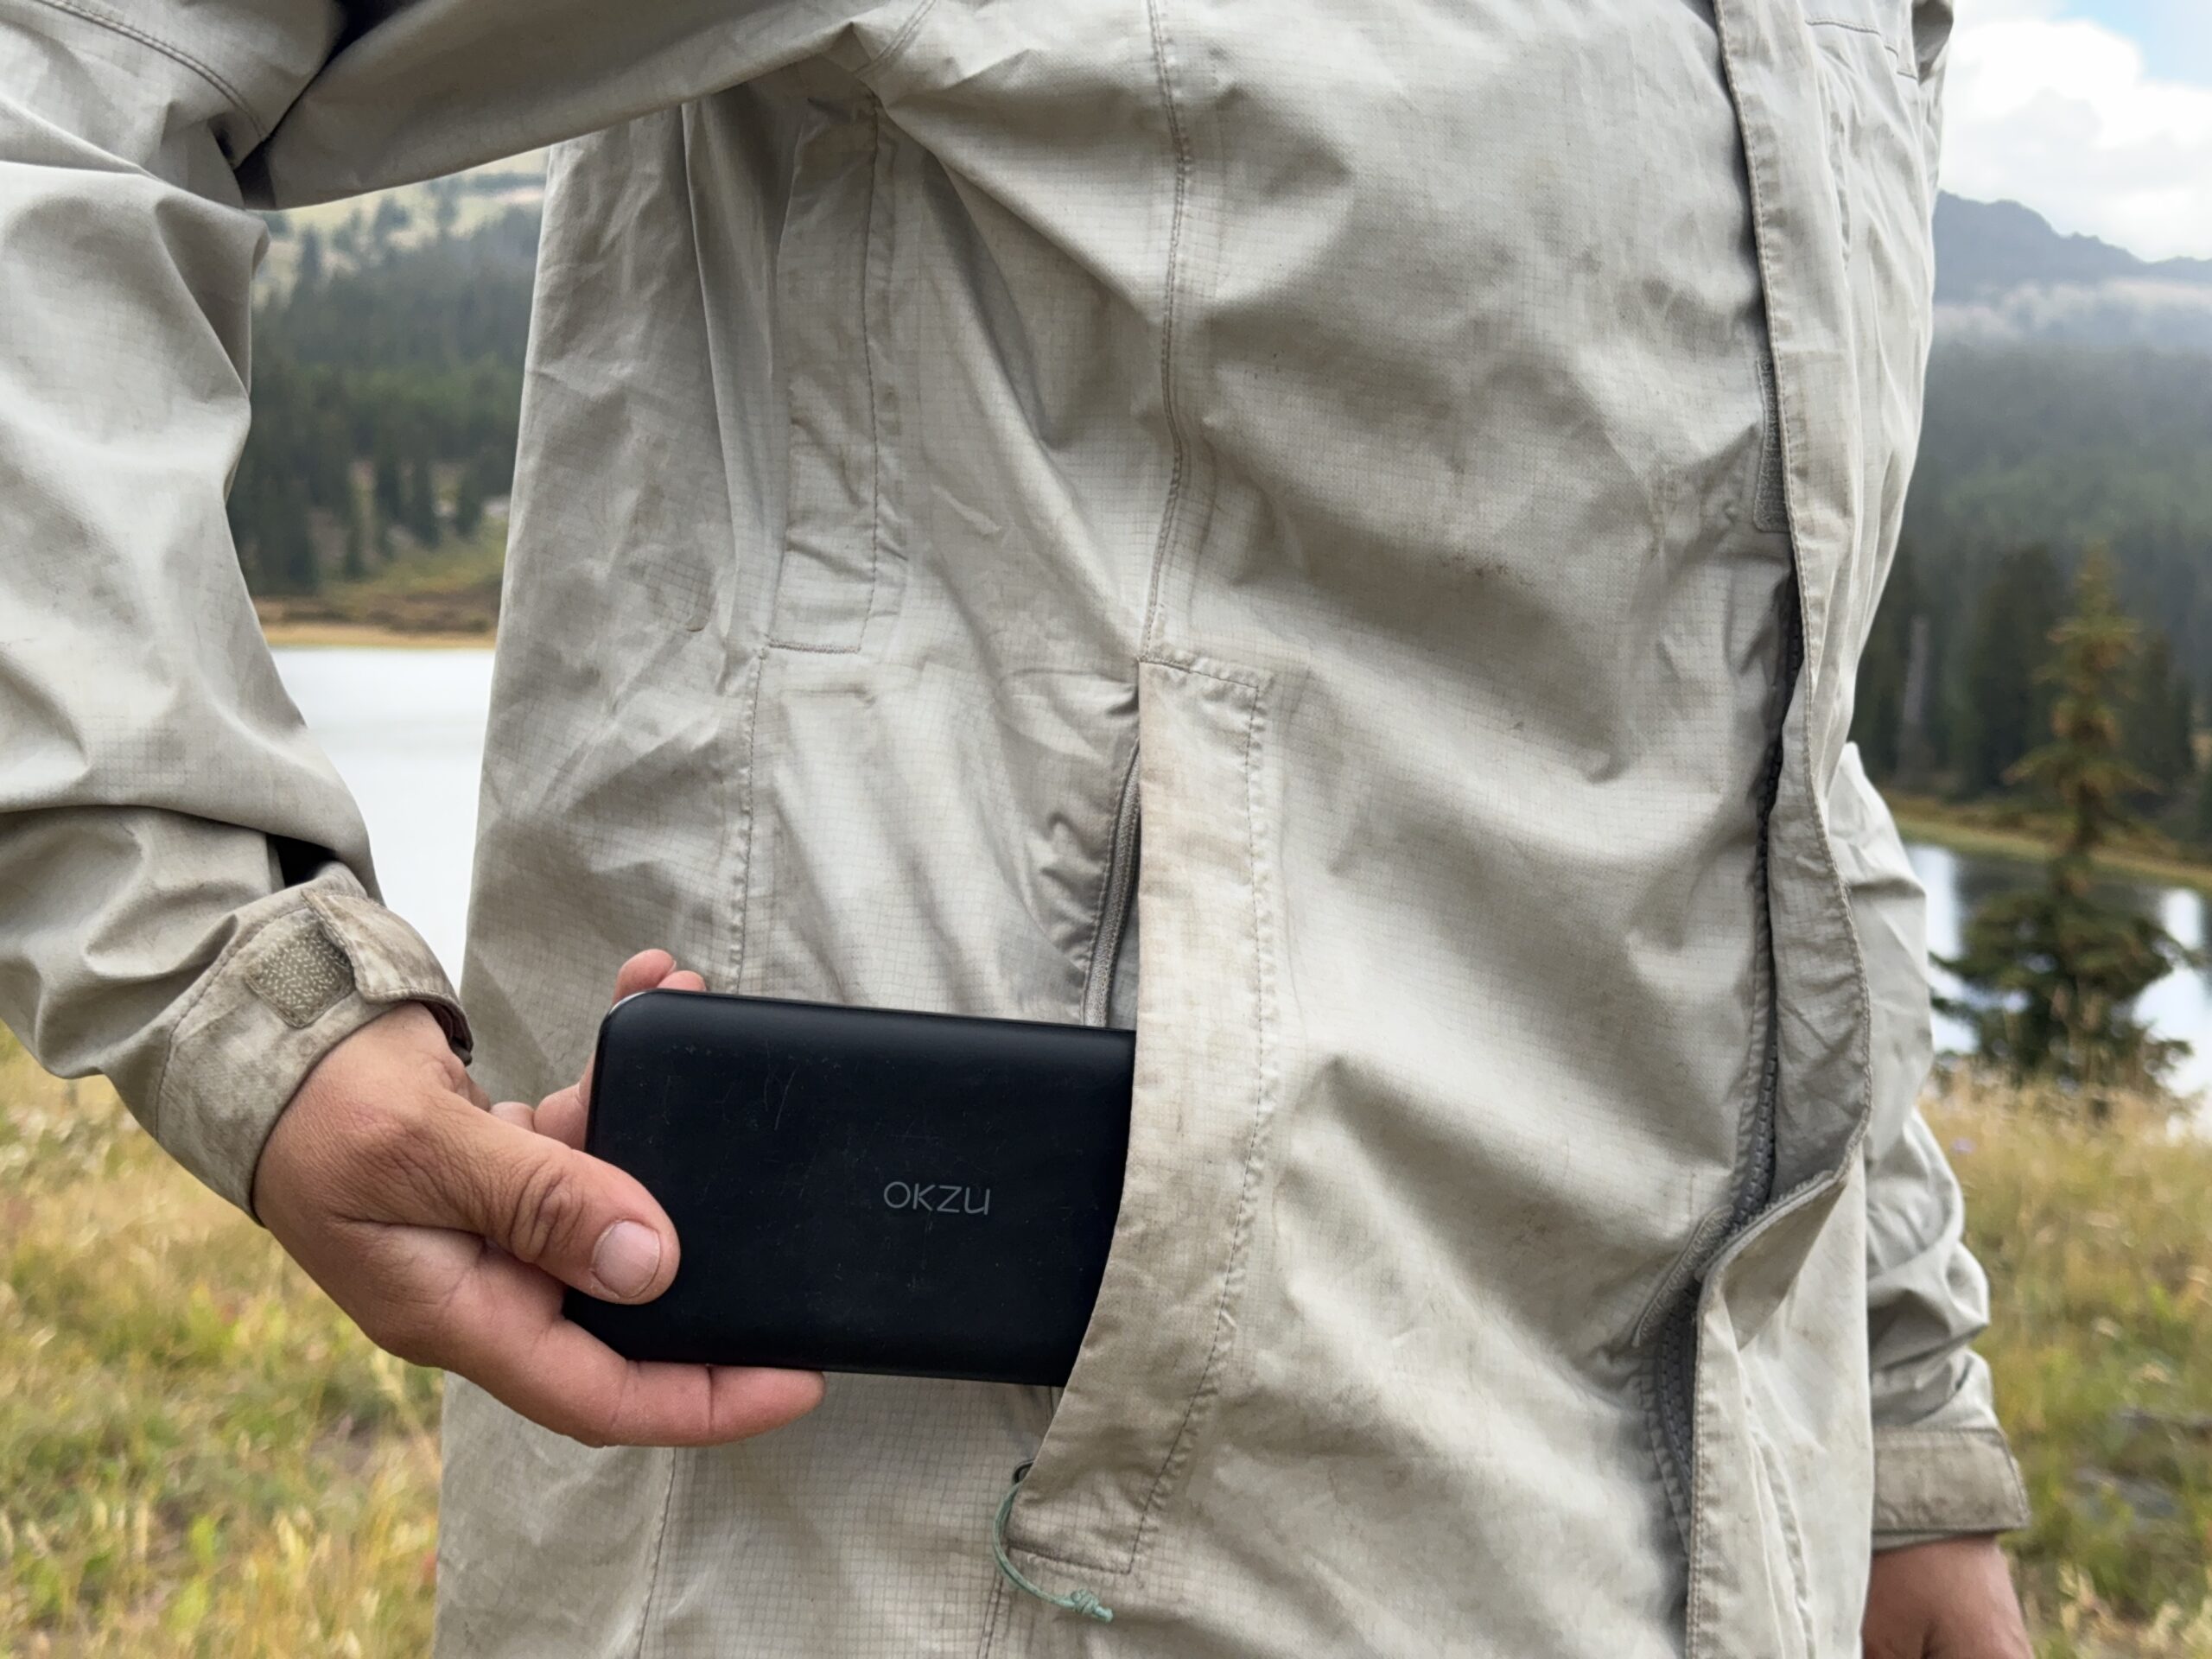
point(586, 1223)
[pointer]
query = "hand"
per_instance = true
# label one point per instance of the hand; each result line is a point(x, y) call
point(447, 1231)
point(1949, 1599)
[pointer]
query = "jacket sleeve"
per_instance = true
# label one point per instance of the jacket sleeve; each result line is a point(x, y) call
point(1942, 1464)
point(1931, 47)
point(187, 902)
point(185, 897)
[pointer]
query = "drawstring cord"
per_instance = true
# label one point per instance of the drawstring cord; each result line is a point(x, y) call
point(1075, 1601)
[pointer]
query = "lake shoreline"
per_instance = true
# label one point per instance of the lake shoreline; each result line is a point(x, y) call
point(369, 635)
point(1960, 830)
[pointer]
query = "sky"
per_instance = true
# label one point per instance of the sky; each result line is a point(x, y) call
point(2096, 113)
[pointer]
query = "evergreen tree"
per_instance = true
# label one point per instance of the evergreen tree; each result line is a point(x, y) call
point(309, 272)
point(445, 197)
point(1878, 720)
point(391, 217)
point(2004, 707)
point(2055, 968)
point(385, 487)
point(2200, 817)
point(418, 512)
point(2157, 720)
point(469, 500)
point(356, 540)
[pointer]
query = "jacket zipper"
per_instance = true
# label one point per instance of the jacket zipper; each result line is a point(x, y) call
point(1115, 903)
point(1674, 1365)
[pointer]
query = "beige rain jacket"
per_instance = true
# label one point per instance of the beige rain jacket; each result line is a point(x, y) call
point(1337, 533)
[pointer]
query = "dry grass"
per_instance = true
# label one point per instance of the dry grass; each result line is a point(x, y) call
point(205, 1458)
point(2098, 1240)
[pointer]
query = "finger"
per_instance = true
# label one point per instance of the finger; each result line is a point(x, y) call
point(518, 1113)
point(642, 972)
point(562, 1115)
point(628, 983)
point(508, 1338)
point(586, 1223)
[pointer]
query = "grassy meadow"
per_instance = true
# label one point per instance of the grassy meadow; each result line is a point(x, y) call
point(201, 1455)
point(202, 1458)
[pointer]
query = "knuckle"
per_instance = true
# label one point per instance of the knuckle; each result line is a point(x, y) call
point(544, 1209)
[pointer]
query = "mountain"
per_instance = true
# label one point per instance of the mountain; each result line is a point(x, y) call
point(1987, 247)
point(2002, 273)
point(2068, 402)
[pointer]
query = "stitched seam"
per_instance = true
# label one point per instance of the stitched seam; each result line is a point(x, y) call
point(660, 1547)
point(1255, 1145)
point(1185, 662)
point(1792, 1543)
point(744, 848)
point(1179, 441)
point(993, 1613)
point(1264, 1085)
point(176, 53)
point(1897, 63)
point(898, 42)
point(1916, 1436)
point(1696, 1545)
point(867, 365)
point(874, 446)
point(1837, 903)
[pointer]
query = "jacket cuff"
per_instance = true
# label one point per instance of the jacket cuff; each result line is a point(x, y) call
point(1941, 1483)
point(280, 998)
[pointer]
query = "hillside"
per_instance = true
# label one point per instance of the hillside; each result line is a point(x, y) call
point(2068, 400)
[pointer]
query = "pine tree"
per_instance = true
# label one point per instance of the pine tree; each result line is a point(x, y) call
point(356, 540)
point(418, 512)
point(288, 552)
point(468, 501)
point(308, 273)
point(2055, 969)
point(2157, 719)
point(445, 196)
point(2002, 706)
point(1878, 720)
point(386, 487)
point(391, 217)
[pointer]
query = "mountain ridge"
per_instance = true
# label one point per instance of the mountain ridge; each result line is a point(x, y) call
point(1984, 248)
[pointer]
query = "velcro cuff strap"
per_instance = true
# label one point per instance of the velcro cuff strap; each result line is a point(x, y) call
point(299, 969)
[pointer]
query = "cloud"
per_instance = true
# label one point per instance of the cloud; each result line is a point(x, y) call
point(2064, 114)
point(2138, 311)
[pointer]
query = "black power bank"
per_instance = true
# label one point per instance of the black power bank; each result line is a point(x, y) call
point(863, 1190)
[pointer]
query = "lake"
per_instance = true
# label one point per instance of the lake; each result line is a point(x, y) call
point(405, 730)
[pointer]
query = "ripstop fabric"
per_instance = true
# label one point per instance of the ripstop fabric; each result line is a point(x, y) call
point(1340, 536)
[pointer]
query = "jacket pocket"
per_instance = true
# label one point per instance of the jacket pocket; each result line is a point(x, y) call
point(1140, 1396)
point(833, 293)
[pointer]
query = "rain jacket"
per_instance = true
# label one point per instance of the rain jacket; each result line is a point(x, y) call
point(1339, 534)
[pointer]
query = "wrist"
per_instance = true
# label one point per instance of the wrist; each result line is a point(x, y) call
point(298, 980)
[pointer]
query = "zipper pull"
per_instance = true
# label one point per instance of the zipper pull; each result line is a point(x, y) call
point(1075, 1601)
